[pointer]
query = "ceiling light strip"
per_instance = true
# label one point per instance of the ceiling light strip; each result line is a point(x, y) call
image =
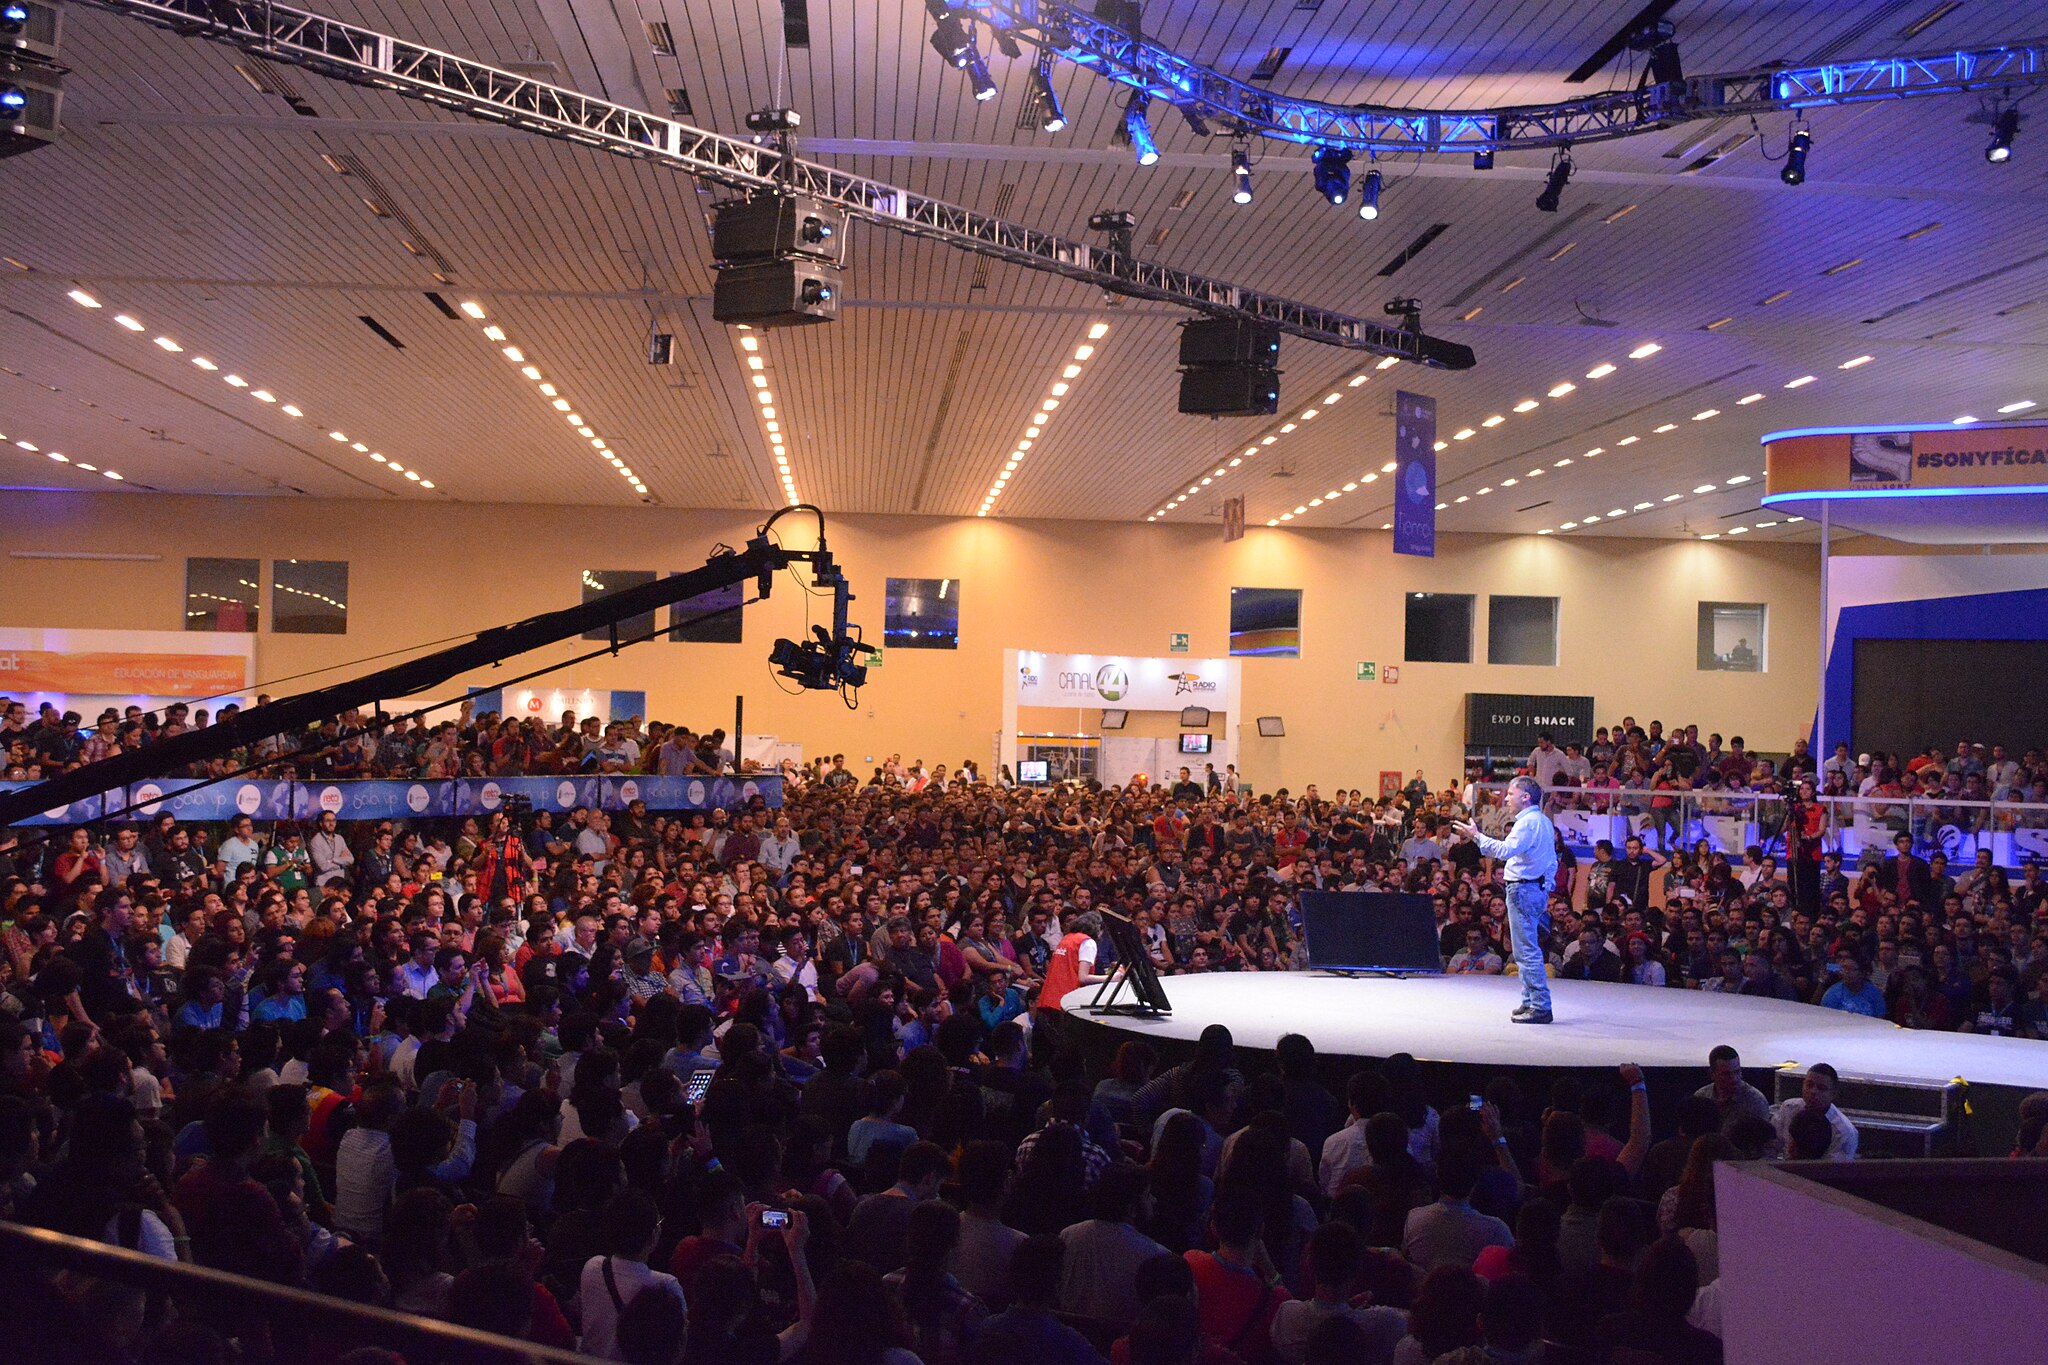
point(560, 404)
point(1034, 427)
point(170, 346)
point(59, 457)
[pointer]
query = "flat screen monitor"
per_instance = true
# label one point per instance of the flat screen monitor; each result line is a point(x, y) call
point(1194, 744)
point(1368, 931)
point(1032, 770)
point(1271, 727)
point(1115, 720)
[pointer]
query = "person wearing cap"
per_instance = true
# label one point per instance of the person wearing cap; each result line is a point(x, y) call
point(643, 983)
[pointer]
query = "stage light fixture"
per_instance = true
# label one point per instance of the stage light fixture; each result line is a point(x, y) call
point(950, 38)
point(1197, 125)
point(1138, 128)
point(1795, 158)
point(1483, 160)
point(2002, 133)
point(13, 18)
point(984, 84)
point(1560, 176)
point(1051, 118)
point(1333, 173)
point(13, 97)
point(1369, 196)
point(1241, 174)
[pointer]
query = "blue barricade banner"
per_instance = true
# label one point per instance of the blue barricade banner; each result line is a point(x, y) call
point(483, 795)
point(372, 800)
point(85, 809)
point(183, 797)
point(266, 799)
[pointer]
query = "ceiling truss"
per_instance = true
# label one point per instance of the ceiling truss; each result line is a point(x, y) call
point(1084, 40)
point(366, 57)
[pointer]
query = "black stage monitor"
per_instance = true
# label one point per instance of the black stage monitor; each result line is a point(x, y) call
point(1370, 931)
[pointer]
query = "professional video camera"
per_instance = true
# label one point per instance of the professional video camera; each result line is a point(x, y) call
point(822, 663)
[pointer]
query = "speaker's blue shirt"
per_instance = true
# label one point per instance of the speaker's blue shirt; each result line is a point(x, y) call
point(1530, 850)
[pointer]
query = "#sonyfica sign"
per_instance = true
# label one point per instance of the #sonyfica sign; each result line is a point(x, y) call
point(1880, 461)
point(1513, 720)
point(1132, 683)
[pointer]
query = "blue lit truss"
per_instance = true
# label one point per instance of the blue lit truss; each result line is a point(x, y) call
point(1080, 38)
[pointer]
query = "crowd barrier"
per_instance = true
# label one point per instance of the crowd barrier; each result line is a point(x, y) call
point(299, 799)
point(2016, 832)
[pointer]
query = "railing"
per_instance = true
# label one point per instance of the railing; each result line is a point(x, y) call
point(307, 799)
point(48, 1312)
point(2016, 832)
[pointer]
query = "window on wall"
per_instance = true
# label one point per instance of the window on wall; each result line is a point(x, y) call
point(1439, 628)
point(1521, 630)
point(309, 596)
point(221, 594)
point(1732, 637)
point(600, 582)
point(922, 613)
point(1266, 622)
point(709, 618)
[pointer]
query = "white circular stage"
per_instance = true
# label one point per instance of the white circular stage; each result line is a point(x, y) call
point(1464, 1019)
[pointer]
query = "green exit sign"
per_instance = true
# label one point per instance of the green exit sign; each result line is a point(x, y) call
point(1180, 642)
point(1368, 671)
point(875, 659)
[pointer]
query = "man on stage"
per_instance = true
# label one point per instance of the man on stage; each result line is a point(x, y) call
point(1530, 852)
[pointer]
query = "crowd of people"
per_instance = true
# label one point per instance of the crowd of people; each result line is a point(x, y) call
point(794, 1083)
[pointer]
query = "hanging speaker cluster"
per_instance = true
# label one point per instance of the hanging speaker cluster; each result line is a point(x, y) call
point(778, 258)
point(1229, 367)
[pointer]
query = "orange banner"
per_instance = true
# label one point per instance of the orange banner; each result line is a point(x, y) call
point(110, 674)
point(1984, 456)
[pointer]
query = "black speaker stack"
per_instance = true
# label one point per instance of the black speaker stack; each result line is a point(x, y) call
point(1229, 367)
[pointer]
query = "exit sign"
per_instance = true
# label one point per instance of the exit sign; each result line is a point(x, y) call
point(1180, 642)
point(1367, 671)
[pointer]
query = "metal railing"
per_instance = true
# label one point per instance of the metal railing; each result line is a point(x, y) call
point(46, 1309)
point(1857, 827)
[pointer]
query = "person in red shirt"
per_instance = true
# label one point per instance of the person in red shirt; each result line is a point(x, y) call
point(1072, 964)
point(1289, 841)
point(1236, 1285)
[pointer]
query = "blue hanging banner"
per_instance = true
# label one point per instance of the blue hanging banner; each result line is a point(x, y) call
point(1414, 474)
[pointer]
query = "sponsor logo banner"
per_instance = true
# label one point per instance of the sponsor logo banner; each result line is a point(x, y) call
point(1142, 684)
point(108, 673)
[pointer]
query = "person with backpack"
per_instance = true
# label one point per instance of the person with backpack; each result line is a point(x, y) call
point(630, 1225)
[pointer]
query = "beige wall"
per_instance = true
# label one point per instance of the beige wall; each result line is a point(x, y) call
point(420, 571)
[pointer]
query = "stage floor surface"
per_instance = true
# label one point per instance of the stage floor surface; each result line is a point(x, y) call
point(1464, 1019)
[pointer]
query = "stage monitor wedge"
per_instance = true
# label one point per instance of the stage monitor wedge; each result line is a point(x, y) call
point(1194, 717)
point(1272, 727)
point(1115, 720)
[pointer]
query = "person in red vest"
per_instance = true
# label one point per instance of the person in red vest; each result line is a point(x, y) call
point(1072, 965)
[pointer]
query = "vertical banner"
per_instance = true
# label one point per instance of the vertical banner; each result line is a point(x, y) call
point(1414, 474)
point(1233, 519)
